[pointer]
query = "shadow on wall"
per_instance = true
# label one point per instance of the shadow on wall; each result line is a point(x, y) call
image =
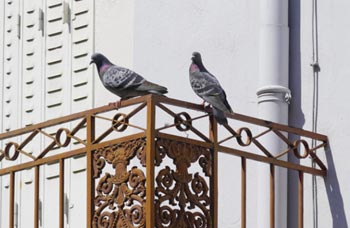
point(334, 196)
point(297, 119)
point(296, 115)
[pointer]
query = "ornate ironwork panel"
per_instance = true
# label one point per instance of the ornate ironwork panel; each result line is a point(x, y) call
point(120, 196)
point(182, 197)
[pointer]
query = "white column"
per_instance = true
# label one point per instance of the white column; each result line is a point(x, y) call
point(273, 97)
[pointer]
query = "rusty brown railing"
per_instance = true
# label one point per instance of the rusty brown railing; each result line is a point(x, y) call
point(150, 144)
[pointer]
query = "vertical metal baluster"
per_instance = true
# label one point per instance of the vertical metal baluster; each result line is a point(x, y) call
point(61, 194)
point(150, 155)
point(36, 196)
point(213, 130)
point(272, 196)
point(12, 199)
point(301, 200)
point(90, 183)
point(244, 193)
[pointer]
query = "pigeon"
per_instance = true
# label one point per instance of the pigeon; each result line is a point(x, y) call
point(206, 86)
point(123, 82)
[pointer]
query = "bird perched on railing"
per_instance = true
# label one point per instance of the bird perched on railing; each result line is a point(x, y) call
point(123, 82)
point(206, 86)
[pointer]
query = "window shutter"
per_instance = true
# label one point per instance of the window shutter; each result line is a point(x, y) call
point(32, 69)
point(57, 82)
point(82, 47)
point(11, 62)
point(10, 83)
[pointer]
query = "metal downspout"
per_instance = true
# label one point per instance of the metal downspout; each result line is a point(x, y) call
point(273, 99)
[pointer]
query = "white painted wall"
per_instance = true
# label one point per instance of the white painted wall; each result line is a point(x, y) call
point(333, 110)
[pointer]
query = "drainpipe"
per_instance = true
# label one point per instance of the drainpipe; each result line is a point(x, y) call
point(273, 99)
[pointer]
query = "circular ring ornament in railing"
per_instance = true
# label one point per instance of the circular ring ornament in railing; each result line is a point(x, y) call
point(62, 139)
point(120, 122)
point(183, 121)
point(248, 135)
point(14, 146)
point(296, 150)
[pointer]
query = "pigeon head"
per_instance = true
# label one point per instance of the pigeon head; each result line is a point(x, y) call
point(197, 59)
point(99, 60)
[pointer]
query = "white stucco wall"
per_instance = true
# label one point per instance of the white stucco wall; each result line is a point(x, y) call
point(333, 192)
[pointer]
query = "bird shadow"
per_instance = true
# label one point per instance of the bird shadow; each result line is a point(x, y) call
point(334, 195)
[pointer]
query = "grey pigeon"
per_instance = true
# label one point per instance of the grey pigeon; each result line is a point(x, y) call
point(206, 86)
point(123, 82)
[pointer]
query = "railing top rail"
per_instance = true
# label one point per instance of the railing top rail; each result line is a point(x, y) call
point(166, 100)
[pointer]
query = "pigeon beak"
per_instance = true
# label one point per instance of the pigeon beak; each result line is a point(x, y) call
point(91, 62)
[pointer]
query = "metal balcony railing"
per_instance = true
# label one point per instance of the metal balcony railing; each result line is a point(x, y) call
point(153, 162)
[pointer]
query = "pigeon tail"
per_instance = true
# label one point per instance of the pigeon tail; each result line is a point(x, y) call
point(219, 116)
point(152, 88)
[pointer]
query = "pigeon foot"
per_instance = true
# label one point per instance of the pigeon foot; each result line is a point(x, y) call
point(116, 104)
point(205, 104)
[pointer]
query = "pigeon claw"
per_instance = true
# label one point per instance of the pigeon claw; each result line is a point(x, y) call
point(116, 104)
point(205, 104)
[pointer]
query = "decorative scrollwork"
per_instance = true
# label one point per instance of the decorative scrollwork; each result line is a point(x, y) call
point(120, 197)
point(15, 153)
point(120, 122)
point(59, 135)
point(182, 198)
point(183, 121)
point(248, 135)
point(296, 150)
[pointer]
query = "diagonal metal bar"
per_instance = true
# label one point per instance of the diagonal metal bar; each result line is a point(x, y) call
point(78, 127)
point(27, 140)
point(103, 135)
point(110, 130)
point(262, 148)
point(186, 121)
point(46, 150)
point(318, 161)
point(193, 129)
point(26, 154)
point(262, 133)
point(77, 139)
point(283, 137)
point(46, 134)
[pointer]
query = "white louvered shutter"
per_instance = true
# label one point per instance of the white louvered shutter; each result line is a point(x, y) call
point(82, 47)
point(32, 67)
point(69, 86)
point(46, 50)
point(58, 80)
point(32, 105)
point(11, 63)
point(82, 99)
point(2, 31)
point(11, 88)
point(57, 93)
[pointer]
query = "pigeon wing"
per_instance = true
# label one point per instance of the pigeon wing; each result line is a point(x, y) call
point(121, 78)
point(204, 84)
point(207, 87)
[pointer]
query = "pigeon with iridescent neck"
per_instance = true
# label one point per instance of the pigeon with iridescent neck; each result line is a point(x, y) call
point(206, 86)
point(123, 82)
